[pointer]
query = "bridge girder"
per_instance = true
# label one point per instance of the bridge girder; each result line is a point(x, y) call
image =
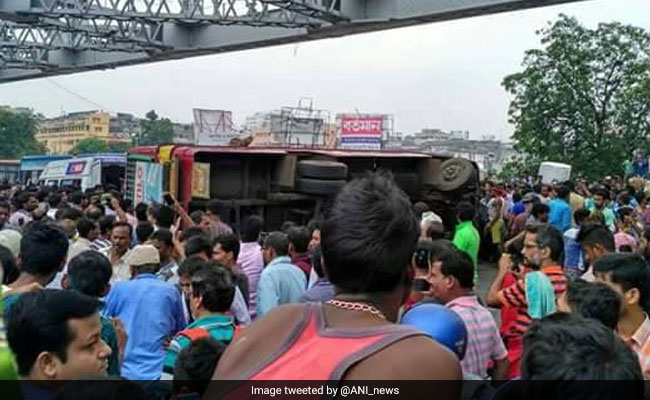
point(52, 37)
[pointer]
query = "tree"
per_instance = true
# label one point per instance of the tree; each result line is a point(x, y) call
point(583, 99)
point(118, 147)
point(90, 146)
point(155, 130)
point(17, 129)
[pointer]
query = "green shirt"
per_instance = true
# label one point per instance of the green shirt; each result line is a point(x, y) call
point(468, 240)
point(220, 327)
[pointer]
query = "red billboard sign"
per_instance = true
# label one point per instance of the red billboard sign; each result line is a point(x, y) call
point(361, 126)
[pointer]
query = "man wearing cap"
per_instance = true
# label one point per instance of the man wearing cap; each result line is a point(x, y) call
point(151, 311)
point(519, 222)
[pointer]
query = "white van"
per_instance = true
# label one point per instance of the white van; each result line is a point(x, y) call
point(554, 172)
point(82, 173)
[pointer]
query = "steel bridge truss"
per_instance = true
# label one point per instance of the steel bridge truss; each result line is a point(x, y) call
point(49, 37)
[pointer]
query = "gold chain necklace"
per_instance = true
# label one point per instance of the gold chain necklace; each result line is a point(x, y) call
point(356, 306)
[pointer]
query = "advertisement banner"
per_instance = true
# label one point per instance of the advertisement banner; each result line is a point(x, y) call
point(212, 127)
point(361, 132)
point(148, 183)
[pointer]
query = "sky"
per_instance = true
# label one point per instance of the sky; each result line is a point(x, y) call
point(444, 75)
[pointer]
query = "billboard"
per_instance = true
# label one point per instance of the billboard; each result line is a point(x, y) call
point(212, 127)
point(361, 132)
point(148, 183)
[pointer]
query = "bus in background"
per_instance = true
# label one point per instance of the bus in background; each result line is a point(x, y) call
point(9, 171)
point(31, 167)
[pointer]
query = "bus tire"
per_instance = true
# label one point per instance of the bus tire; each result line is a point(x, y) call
point(320, 187)
point(453, 174)
point(321, 169)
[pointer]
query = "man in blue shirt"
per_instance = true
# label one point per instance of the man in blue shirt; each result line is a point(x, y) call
point(151, 311)
point(281, 282)
point(560, 215)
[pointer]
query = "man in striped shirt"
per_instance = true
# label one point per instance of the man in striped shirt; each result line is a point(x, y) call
point(543, 248)
point(451, 279)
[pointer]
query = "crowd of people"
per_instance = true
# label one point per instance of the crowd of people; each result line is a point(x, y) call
point(93, 287)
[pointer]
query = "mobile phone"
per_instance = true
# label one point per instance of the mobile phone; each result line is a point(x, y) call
point(169, 200)
point(422, 259)
point(421, 285)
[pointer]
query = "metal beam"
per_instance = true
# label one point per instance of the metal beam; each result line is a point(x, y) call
point(163, 37)
point(220, 12)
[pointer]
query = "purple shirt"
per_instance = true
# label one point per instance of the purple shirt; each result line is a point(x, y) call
point(250, 261)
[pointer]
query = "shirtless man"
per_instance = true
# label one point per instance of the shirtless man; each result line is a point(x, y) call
point(367, 243)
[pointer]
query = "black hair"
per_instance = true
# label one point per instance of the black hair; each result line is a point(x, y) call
point(54, 199)
point(143, 231)
point(317, 263)
point(596, 234)
point(278, 242)
point(38, 322)
point(551, 237)
point(98, 388)
point(628, 270)
point(196, 216)
point(567, 347)
point(192, 231)
point(581, 215)
point(77, 198)
point(4, 204)
point(516, 196)
point(624, 212)
point(299, 237)
point(89, 273)
point(106, 224)
point(369, 237)
point(163, 214)
point(420, 208)
point(10, 271)
point(539, 209)
point(151, 268)
point(458, 264)
point(191, 265)
point(198, 244)
point(43, 249)
point(123, 224)
point(214, 284)
point(228, 243)
point(22, 198)
point(466, 212)
point(594, 300)
point(562, 191)
point(196, 364)
point(95, 212)
point(163, 235)
point(286, 225)
point(251, 228)
point(625, 248)
point(84, 227)
point(214, 207)
point(141, 212)
point(68, 213)
point(602, 193)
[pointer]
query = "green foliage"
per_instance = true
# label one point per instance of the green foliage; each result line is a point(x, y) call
point(118, 147)
point(584, 99)
point(90, 145)
point(155, 130)
point(17, 129)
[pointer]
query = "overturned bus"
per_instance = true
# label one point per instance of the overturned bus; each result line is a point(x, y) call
point(290, 184)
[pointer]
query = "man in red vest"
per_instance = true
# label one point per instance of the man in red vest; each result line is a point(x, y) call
point(367, 241)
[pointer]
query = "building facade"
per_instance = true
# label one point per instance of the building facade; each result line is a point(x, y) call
point(60, 135)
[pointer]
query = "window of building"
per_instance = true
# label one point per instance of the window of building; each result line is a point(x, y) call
point(98, 129)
